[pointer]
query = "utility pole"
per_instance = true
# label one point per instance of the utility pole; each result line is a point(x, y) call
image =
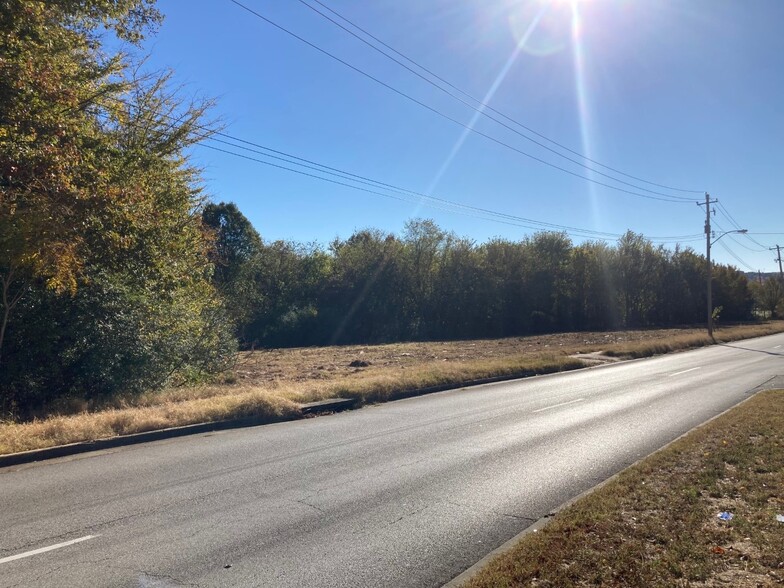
point(778, 258)
point(709, 241)
point(708, 235)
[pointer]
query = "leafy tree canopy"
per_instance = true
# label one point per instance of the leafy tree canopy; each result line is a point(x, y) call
point(100, 224)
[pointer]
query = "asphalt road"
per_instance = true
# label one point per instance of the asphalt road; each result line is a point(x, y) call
point(408, 493)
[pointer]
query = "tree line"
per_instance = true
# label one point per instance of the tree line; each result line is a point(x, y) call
point(117, 276)
point(430, 284)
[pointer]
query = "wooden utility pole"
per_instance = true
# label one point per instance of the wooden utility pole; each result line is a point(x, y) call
point(778, 258)
point(708, 235)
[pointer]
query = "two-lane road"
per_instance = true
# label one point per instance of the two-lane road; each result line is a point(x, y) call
point(408, 493)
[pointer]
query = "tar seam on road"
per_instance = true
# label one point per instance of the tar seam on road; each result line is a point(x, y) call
point(45, 549)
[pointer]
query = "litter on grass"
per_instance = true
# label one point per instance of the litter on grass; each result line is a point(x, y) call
point(780, 518)
point(726, 516)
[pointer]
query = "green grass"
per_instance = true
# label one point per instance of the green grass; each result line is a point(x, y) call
point(656, 524)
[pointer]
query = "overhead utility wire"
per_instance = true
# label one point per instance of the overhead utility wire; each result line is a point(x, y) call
point(727, 248)
point(403, 199)
point(738, 227)
point(666, 198)
point(738, 259)
point(726, 213)
point(394, 188)
point(733, 238)
point(483, 105)
point(406, 195)
point(209, 134)
point(729, 217)
point(440, 203)
point(403, 191)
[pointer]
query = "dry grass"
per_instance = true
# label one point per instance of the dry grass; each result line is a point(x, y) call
point(271, 383)
point(61, 430)
point(656, 524)
point(691, 340)
point(278, 400)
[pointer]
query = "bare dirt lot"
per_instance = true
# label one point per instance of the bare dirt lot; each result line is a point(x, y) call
point(262, 367)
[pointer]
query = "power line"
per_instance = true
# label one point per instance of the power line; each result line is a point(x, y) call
point(436, 205)
point(405, 195)
point(287, 157)
point(662, 197)
point(258, 148)
point(483, 105)
point(441, 203)
point(738, 259)
point(726, 213)
point(730, 236)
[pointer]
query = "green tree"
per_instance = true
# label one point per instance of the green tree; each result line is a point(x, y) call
point(547, 281)
point(594, 297)
point(234, 252)
point(365, 300)
point(53, 80)
point(103, 258)
point(769, 296)
point(639, 267)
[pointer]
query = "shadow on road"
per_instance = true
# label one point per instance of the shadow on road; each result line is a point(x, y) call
point(754, 350)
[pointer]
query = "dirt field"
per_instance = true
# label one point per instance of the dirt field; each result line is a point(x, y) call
point(259, 368)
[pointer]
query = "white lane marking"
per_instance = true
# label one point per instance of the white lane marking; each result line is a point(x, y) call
point(45, 549)
point(777, 347)
point(557, 405)
point(685, 371)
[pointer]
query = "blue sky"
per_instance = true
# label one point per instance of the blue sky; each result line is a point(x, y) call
point(685, 94)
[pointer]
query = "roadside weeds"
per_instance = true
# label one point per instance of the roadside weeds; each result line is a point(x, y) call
point(279, 396)
point(657, 523)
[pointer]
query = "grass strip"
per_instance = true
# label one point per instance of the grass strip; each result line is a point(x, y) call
point(656, 524)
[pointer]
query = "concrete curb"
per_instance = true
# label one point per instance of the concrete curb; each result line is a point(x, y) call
point(309, 409)
point(773, 383)
point(25, 457)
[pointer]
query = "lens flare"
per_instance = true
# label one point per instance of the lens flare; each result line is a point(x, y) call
point(519, 47)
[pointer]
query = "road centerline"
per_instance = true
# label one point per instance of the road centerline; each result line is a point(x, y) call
point(45, 549)
point(558, 405)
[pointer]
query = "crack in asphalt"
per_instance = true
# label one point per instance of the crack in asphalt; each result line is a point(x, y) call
point(491, 511)
point(302, 502)
point(410, 514)
point(157, 580)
